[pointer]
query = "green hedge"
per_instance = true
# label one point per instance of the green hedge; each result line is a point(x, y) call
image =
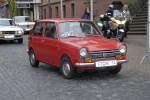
point(12, 7)
point(135, 5)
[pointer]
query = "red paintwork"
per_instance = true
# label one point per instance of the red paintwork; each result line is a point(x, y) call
point(51, 51)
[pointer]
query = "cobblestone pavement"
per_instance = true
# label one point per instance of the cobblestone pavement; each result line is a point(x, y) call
point(19, 81)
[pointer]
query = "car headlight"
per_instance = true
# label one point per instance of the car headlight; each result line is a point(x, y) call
point(20, 32)
point(1, 32)
point(123, 49)
point(83, 52)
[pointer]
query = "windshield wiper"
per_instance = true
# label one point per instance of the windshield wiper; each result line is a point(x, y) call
point(91, 35)
point(71, 36)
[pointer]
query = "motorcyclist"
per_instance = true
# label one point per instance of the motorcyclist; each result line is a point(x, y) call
point(127, 15)
point(104, 19)
point(109, 12)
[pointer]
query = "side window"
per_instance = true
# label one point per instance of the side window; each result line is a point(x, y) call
point(50, 30)
point(38, 30)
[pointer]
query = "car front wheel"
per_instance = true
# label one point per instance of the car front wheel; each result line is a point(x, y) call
point(20, 41)
point(67, 68)
point(115, 70)
point(32, 58)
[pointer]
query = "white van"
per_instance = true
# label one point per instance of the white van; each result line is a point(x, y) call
point(24, 22)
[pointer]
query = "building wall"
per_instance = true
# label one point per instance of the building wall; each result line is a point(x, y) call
point(28, 8)
point(100, 7)
point(2, 2)
point(3, 9)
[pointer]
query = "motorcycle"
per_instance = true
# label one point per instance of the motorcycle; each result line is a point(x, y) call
point(118, 25)
point(104, 24)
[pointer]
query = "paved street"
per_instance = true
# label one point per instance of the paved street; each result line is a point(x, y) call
point(19, 81)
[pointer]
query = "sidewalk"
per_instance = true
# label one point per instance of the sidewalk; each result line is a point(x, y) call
point(137, 48)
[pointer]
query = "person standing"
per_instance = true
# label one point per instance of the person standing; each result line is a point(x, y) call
point(86, 14)
point(127, 15)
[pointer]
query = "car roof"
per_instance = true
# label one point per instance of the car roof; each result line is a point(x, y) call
point(58, 20)
point(20, 16)
point(5, 19)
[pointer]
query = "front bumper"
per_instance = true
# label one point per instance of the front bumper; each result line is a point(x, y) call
point(27, 30)
point(82, 65)
point(11, 38)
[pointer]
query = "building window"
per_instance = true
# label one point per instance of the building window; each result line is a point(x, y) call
point(57, 13)
point(44, 13)
point(41, 15)
point(50, 12)
point(72, 10)
point(64, 10)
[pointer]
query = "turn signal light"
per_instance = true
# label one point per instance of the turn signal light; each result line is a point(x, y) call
point(88, 60)
point(120, 57)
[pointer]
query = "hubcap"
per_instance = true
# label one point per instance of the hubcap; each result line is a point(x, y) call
point(32, 58)
point(66, 69)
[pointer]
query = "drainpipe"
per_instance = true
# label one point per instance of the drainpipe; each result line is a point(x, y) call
point(49, 7)
point(148, 32)
point(91, 4)
point(61, 8)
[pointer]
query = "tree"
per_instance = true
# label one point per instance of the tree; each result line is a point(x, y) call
point(12, 7)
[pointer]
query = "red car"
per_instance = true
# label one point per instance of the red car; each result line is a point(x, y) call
point(71, 44)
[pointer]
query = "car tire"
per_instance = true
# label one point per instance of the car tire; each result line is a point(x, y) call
point(116, 70)
point(67, 69)
point(20, 41)
point(32, 58)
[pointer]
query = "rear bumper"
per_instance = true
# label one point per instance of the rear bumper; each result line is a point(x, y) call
point(82, 65)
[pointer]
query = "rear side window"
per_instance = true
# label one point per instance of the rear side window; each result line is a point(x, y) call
point(38, 29)
point(50, 30)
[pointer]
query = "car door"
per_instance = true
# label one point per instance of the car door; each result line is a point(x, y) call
point(36, 40)
point(51, 44)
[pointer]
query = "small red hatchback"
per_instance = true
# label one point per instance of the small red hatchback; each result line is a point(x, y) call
point(71, 44)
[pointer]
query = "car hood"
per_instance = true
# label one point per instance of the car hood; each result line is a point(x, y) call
point(25, 23)
point(10, 28)
point(93, 43)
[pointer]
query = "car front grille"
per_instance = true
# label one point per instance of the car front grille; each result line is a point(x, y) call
point(103, 54)
point(9, 32)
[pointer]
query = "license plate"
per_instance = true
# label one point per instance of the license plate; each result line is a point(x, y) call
point(106, 63)
point(9, 36)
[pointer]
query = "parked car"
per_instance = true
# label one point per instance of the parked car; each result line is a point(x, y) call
point(71, 44)
point(24, 22)
point(8, 31)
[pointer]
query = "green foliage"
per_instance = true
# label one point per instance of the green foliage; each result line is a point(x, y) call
point(12, 7)
point(135, 5)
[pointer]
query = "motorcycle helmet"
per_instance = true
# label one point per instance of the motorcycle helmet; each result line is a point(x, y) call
point(111, 6)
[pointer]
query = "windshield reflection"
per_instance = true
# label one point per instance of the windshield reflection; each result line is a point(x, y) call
point(22, 19)
point(6, 22)
point(77, 29)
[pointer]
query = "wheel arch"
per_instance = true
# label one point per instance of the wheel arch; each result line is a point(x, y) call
point(65, 55)
point(30, 48)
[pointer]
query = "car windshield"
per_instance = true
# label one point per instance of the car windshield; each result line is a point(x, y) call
point(22, 19)
point(77, 29)
point(6, 22)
